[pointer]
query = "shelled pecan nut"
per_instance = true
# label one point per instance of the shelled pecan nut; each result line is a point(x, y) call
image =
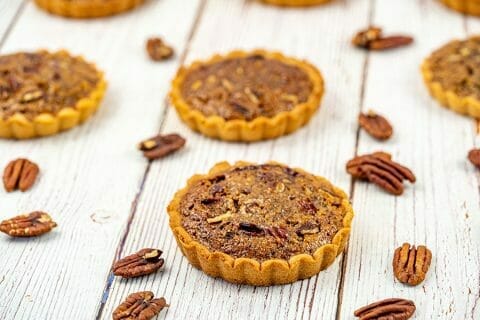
point(139, 306)
point(20, 174)
point(158, 50)
point(474, 157)
point(161, 145)
point(28, 225)
point(373, 39)
point(410, 264)
point(279, 233)
point(145, 261)
point(381, 170)
point(394, 309)
point(376, 125)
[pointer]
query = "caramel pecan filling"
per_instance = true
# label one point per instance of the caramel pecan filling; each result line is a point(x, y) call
point(456, 66)
point(262, 212)
point(43, 82)
point(246, 88)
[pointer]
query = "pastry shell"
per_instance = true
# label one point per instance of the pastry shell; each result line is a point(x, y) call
point(468, 105)
point(260, 128)
point(465, 6)
point(296, 3)
point(250, 271)
point(18, 126)
point(87, 9)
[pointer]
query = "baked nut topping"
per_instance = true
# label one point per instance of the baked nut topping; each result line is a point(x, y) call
point(28, 225)
point(246, 88)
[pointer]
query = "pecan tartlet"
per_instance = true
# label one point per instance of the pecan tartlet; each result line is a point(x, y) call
point(260, 224)
point(43, 93)
point(452, 75)
point(247, 96)
point(87, 8)
point(464, 6)
point(296, 3)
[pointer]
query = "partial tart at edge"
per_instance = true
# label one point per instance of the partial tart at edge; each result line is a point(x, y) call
point(239, 266)
point(449, 74)
point(471, 7)
point(87, 8)
point(26, 107)
point(296, 3)
point(242, 128)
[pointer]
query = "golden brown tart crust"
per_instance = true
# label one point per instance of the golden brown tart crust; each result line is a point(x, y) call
point(296, 3)
point(260, 224)
point(42, 93)
point(87, 8)
point(465, 6)
point(452, 75)
point(247, 96)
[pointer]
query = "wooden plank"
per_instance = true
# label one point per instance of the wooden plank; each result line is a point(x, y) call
point(9, 10)
point(441, 209)
point(89, 175)
point(328, 141)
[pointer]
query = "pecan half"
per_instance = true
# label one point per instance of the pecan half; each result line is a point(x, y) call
point(28, 225)
point(410, 264)
point(376, 125)
point(474, 157)
point(139, 306)
point(20, 174)
point(145, 261)
point(161, 145)
point(280, 234)
point(158, 50)
point(308, 228)
point(381, 170)
point(394, 309)
point(250, 228)
point(373, 39)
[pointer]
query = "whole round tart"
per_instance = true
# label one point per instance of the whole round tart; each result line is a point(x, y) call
point(296, 3)
point(87, 8)
point(452, 75)
point(465, 6)
point(247, 96)
point(43, 93)
point(260, 224)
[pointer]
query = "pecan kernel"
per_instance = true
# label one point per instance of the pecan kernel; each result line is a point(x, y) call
point(250, 228)
point(394, 308)
point(28, 225)
point(376, 125)
point(161, 145)
point(373, 39)
point(158, 50)
point(145, 261)
point(410, 264)
point(20, 174)
point(474, 157)
point(139, 305)
point(220, 218)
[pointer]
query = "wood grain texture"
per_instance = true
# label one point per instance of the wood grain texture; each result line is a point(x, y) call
point(9, 11)
point(441, 209)
point(89, 175)
point(328, 141)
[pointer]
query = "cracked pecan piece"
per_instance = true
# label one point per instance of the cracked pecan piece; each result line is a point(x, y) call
point(376, 125)
point(161, 145)
point(158, 50)
point(379, 168)
point(139, 306)
point(28, 225)
point(410, 264)
point(388, 309)
point(474, 157)
point(145, 261)
point(373, 39)
point(20, 174)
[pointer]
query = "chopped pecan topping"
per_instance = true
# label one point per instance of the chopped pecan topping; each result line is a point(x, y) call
point(250, 228)
point(474, 157)
point(20, 174)
point(394, 309)
point(381, 170)
point(308, 228)
point(410, 264)
point(373, 39)
point(376, 125)
point(143, 262)
point(280, 234)
point(31, 96)
point(139, 306)
point(28, 225)
point(158, 50)
point(220, 218)
point(161, 145)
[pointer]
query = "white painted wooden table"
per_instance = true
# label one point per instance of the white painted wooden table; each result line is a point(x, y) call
point(109, 201)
